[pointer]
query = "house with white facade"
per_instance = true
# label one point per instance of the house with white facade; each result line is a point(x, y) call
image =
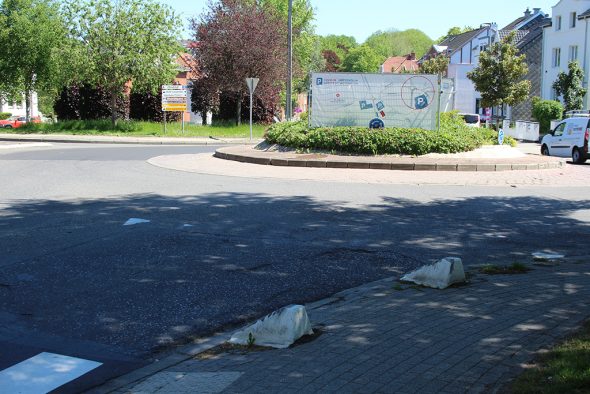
point(18, 108)
point(566, 38)
point(464, 50)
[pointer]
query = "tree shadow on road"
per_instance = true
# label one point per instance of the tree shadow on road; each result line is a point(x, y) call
point(217, 260)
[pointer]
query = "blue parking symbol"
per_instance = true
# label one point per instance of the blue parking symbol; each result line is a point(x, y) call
point(319, 81)
point(421, 102)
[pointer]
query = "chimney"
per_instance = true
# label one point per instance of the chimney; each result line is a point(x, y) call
point(527, 13)
point(412, 56)
point(536, 10)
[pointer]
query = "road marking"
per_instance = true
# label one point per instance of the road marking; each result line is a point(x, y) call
point(134, 221)
point(43, 373)
point(25, 145)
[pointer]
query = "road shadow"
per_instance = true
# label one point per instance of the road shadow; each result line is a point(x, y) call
point(218, 260)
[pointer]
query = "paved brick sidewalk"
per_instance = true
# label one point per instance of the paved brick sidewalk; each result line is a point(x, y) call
point(377, 338)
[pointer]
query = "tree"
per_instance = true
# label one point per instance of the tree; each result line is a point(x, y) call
point(570, 87)
point(362, 59)
point(399, 43)
point(498, 77)
point(31, 34)
point(437, 65)
point(238, 40)
point(340, 45)
point(545, 111)
point(332, 60)
point(122, 43)
point(307, 56)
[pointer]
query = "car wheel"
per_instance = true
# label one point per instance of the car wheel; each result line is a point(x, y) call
point(8, 127)
point(545, 150)
point(577, 156)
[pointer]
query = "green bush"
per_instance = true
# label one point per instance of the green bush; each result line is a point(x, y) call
point(5, 115)
point(545, 111)
point(453, 137)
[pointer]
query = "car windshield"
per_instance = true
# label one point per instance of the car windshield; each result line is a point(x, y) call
point(470, 119)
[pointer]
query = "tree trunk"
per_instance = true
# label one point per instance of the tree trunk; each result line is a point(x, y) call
point(239, 110)
point(28, 105)
point(114, 94)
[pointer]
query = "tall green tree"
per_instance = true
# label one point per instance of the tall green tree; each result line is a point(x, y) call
point(124, 42)
point(340, 45)
point(32, 34)
point(570, 87)
point(399, 43)
point(306, 46)
point(499, 75)
point(362, 59)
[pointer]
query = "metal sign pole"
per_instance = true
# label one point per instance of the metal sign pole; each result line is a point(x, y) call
point(165, 131)
point(251, 116)
point(251, 83)
point(182, 114)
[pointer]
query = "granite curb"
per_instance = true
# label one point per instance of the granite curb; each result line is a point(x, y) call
point(247, 154)
point(63, 138)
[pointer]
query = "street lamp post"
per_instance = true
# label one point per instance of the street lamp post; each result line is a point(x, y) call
point(288, 108)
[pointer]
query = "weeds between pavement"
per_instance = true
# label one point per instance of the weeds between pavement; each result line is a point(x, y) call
point(514, 268)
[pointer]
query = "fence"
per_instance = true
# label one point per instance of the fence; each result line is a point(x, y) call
point(525, 131)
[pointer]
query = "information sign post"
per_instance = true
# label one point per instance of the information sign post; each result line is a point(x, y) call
point(174, 99)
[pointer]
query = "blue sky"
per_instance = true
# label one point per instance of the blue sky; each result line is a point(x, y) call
point(434, 17)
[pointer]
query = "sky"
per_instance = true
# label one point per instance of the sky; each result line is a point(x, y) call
point(362, 18)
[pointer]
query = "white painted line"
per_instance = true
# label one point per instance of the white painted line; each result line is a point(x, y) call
point(25, 145)
point(542, 256)
point(134, 221)
point(43, 373)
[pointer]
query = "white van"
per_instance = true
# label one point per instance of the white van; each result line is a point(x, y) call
point(568, 139)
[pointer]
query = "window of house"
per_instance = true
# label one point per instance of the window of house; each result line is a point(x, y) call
point(573, 54)
point(557, 23)
point(556, 57)
point(573, 17)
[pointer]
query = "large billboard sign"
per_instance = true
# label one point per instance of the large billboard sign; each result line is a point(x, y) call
point(374, 100)
point(175, 98)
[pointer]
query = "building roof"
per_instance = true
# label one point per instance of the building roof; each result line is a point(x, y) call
point(399, 64)
point(520, 35)
point(456, 42)
point(584, 15)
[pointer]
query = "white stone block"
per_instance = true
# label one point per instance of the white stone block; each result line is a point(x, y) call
point(279, 329)
point(440, 275)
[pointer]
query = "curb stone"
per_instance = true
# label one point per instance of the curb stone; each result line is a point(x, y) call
point(246, 154)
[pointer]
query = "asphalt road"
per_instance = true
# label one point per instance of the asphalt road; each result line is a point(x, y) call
point(218, 251)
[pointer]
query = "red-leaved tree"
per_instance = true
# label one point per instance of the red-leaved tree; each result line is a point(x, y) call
point(235, 40)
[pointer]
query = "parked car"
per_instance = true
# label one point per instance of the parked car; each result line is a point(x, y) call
point(17, 121)
point(568, 139)
point(13, 122)
point(472, 120)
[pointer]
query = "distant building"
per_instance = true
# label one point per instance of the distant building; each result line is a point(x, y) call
point(401, 64)
point(529, 41)
point(566, 38)
point(18, 108)
point(465, 49)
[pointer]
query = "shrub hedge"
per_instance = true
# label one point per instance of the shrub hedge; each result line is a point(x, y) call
point(453, 137)
point(5, 115)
